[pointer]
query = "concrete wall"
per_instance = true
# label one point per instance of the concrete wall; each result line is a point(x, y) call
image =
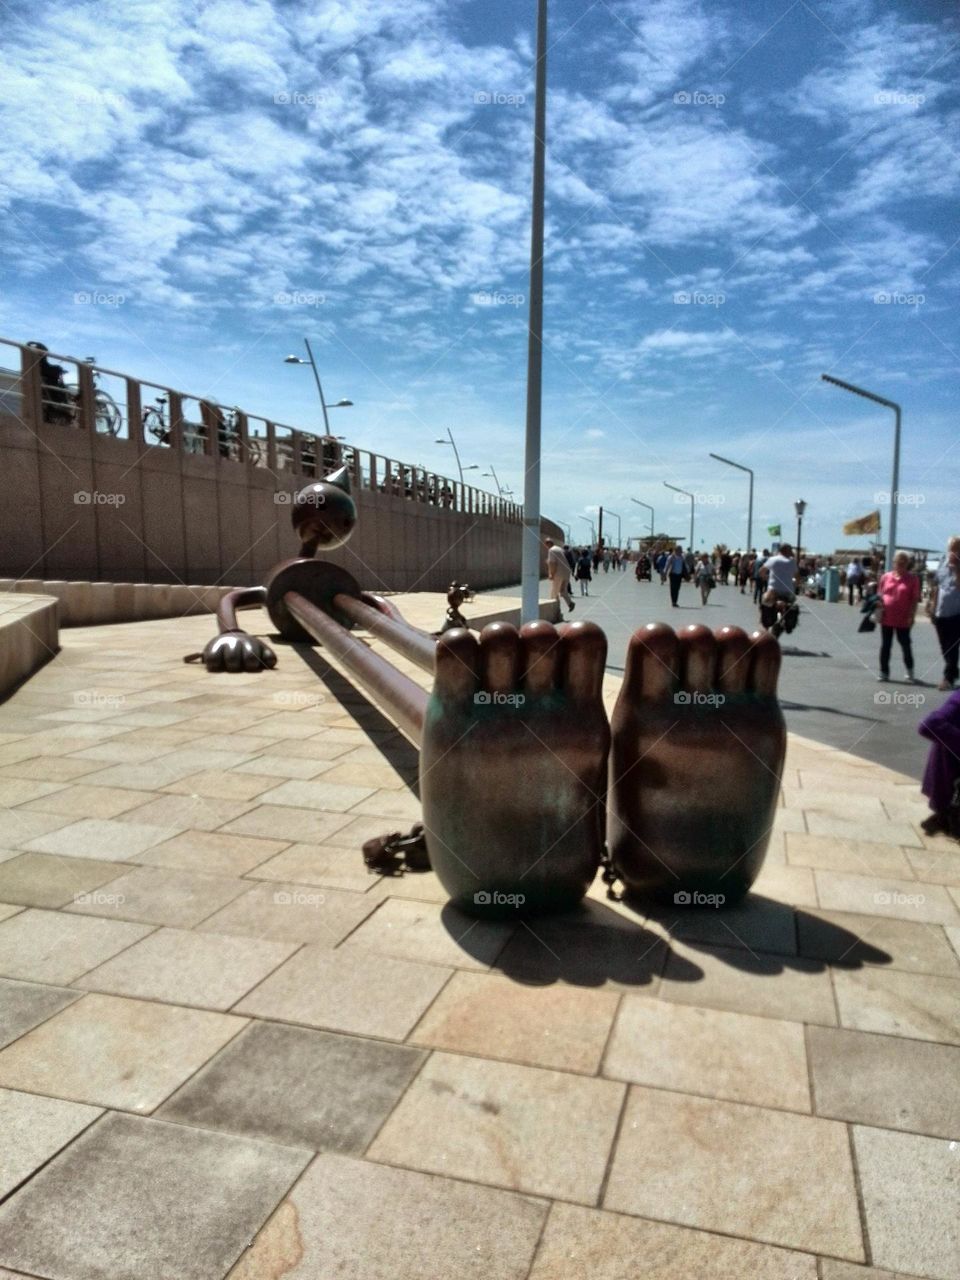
point(28, 637)
point(78, 505)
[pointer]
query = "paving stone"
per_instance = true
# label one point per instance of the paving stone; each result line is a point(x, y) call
point(21, 790)
point(107, 840)
point(911, 1198)
point(316, 795)
point(279, 822)
point(44, 880)
point(182, 967)
point(619, 956)
point(212, 852)
point(323, 864)
point(162, 895)
point(398, 806)
point(722, 1055)
point(50, 946)
point(292, 912)
point(609, 1246)
point(921, 1006)
point(901, 899)
point(111, 1052)
point(188, 812)
point(23, 1005)
point(345, 991)
point(780, 883)
point(498, 1123)
point(879, 831)
point(48, 769)
point(21, 826)
point(833, 1270)
point(886, 1081)
point(425, 931)
point(849, 941)
point(223, 784)
point(859, 857)
point(747, 1171)
point(299, 1087)
point(134, 1198)
point(32, 1130)
point(936, 866)
point(741, 981)
point(366, 774)
point(273, 767)
point(757, 924)
point(332, 1224)
point(82, 801)
point(559, 1026)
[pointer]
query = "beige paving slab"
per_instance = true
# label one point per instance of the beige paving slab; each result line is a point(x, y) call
point(911, 1197)
point(45, 880)
point(20, 826)
point(15, 791)
point(292, 912)
point(878, 831)
point(113, 1052)
point(830, 1269)
point(496, 1123)
point(870, 781)
point(188, 812)
point(323, 746)
point(739, 981)
point(149, 775)
point(81, 801)
point(163, 895)
point(54, 947)
point(936, 866)
point(850, 941)
point(223, 784)
point(426, 931)
point(886, 1081)
point(918, 1005)
point(610, 1246)
point(108, 839)
point(121, 750)
point(8, 909)
point(559, 1026)
point(59, 769)
point(183, 967)
point(781, 883)
point(861, 857)
point(767, 1175)
point(848, 803)
point(787, 820)
point(212, 851)
point(356, 830)
point(332, 1225)
point(282, 822)
point(23, 1005)
point(290, 767)
point(706, 1051)
point(324, 864)
point(901, 899)
point(422, 885)
point(402, 806)
point(32, 1129)
point(953, 937)
point(357, 774)
point(345, 991)
point(328, 796)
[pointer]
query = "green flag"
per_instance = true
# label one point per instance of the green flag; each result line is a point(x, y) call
point(773, 530)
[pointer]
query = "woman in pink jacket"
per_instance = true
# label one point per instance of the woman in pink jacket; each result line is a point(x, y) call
point(900, 593)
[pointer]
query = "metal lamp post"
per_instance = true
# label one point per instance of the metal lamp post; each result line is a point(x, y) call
point(799, 507)
point(456, 452)
point(619, 526)
point(493, 475)
point(692, 501)
point(593, 530)
point(650, 509)
point(740, 467)
point(341, 404)
point(895, 482)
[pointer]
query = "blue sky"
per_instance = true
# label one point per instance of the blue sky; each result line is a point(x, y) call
point(740, 197)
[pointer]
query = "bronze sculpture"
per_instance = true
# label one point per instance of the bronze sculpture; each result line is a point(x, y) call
point(515, 742)
point(457, 594)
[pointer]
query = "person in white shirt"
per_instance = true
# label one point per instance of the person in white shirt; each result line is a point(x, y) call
point(558, 571)
point(780, 573)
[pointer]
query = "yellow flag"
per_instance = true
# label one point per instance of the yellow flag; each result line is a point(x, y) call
point(866, 524)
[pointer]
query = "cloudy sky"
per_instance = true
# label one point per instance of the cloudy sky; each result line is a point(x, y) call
point(740, 197)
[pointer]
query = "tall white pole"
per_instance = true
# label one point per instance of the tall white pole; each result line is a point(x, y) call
point(530, 564)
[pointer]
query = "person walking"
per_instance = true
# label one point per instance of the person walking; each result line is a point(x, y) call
point(944, 609)
point(900, 593)
point(676, 570)
point(704, 578)
point(758, 564)
point(558, 571)
point(855, 577)
point(582, 572)
point(941, 777)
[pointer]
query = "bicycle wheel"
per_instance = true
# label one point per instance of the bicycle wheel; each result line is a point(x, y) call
point(154, 425)
point(254, 450)
point(107, 416)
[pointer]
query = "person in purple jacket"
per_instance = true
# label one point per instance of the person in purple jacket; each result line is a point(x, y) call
point(942, 774)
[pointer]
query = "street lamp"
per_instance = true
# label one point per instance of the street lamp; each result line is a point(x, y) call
point(649, 508)
point(895, 483)
point(619, 526)
point(799, 507)
point(593, 530)
point(692, 501)
point(456, 452)
point(341, 404)
point(492, 473)
point(563, 525)
point(741, 467)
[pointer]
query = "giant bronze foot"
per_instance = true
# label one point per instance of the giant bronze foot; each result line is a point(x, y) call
point(695, 763)
point(512, 766)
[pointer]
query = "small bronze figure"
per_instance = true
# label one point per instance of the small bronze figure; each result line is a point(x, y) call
point(457, 594)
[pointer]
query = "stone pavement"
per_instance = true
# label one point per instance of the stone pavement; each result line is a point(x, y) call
point(231, 1052)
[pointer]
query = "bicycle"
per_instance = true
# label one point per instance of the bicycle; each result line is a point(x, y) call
point(195, 434)
point(107, 416)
